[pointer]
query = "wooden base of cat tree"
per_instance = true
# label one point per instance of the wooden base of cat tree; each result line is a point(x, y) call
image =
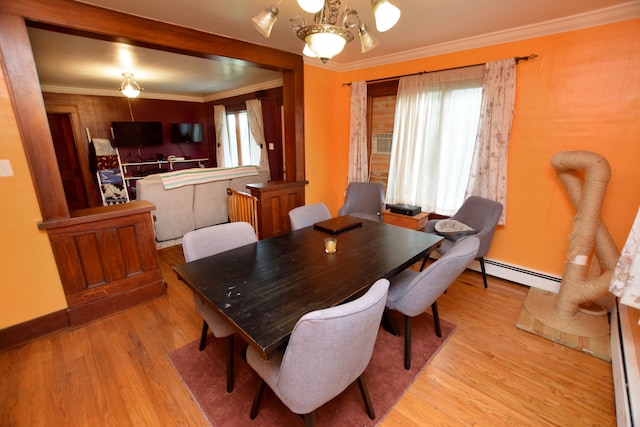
point(584, 332)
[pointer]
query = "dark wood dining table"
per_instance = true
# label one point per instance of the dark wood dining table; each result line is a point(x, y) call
point(264, 288)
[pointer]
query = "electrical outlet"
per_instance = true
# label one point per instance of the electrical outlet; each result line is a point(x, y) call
point(5, 168)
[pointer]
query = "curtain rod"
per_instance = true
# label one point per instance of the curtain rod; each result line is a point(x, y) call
point(383, 79)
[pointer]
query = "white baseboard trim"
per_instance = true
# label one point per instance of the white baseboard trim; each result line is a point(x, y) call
point(518, 274)
point(515, 273)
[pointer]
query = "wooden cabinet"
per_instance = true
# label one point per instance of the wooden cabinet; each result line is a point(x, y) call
point(416, 222)
point(275, 200)
point(107, 259)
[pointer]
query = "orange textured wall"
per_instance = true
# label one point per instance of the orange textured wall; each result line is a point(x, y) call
point(325, 124)
point(581, 93)
point(29, 283)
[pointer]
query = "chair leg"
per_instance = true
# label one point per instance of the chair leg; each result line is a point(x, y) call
point(387, 324)
point(203, 336)
point(484, 272)
point(365, 396)
point(256, 400)
point(407, 342)
point(310, 419)
point(436, 319)
point(424, 262)
point(230, 363)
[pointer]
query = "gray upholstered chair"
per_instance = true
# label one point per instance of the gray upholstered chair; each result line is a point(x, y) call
point(328, 350)
point(208, 241)
point(304, 216)
point(412, 292)
point(480, 214)
point(364, 200)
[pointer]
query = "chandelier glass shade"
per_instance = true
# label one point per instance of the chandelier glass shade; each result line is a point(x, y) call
point(325, 41)
point(387, 15)
point(129, 87)
point(330, 29)
point(311, 6)
point(264, 21)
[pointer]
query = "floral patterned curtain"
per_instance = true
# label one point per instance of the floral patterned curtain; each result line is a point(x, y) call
point(256, 128)
point(488, 176)
point(222, 137)
point(626, 277)
point(358, 155)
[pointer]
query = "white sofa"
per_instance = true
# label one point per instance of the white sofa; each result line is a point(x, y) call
point(189, 207)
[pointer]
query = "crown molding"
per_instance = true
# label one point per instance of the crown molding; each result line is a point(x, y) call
point(116, 93)
point(164, 96)
point(595, 18)
point(244, 90)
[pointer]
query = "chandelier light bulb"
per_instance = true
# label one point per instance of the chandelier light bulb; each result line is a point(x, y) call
point(129, 87)
point(311, 6)
point(329, 29)
point(386, 14)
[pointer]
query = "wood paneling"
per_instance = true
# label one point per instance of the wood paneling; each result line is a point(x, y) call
point(96, 113)
point(275, 200)
point(106, 261)
point(24, 90)
point(24, 332)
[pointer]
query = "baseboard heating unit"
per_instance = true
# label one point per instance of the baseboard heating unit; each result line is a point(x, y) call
point(521, 275)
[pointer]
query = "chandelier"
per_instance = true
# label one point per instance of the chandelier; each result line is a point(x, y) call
point(330, 30)
point(129, 87)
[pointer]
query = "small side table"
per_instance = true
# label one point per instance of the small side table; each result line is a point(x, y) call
point(416, 222)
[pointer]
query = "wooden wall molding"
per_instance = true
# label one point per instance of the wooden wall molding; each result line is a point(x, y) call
point(24, 332)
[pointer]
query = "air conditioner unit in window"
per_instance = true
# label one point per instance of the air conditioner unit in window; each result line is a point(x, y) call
point(381, 143)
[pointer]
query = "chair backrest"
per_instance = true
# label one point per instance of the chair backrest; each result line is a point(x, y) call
point(482, 215)
point(429, 284)
point(243, 207)
point(329, 349)
point(364, 199)
point(304, 216)
point(211, 240)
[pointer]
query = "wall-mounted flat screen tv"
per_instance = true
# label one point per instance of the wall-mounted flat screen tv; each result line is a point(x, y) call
point(186, 132)
point(136, 134)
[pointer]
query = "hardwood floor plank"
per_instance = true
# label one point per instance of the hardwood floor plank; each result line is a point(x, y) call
point(116, 372)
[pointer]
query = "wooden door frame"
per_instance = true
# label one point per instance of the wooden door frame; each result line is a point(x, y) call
point(82, 150)
point(82, 19)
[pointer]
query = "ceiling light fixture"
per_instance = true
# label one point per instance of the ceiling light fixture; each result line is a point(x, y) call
point(331, 29)
point(129, 87)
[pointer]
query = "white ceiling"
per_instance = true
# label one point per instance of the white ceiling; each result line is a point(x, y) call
point(425, 27)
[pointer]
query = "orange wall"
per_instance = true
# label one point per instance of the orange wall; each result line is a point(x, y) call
point(29, 283)
point(581, 93)
point(326, 122)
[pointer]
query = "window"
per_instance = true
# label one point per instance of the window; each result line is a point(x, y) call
point(380, 110)
point(242, 149)
point(381, 143)
point(435, 125)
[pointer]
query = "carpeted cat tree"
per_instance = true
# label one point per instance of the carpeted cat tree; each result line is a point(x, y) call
point(572, 317)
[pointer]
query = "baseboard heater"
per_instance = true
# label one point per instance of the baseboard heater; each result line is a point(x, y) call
point(521, 275)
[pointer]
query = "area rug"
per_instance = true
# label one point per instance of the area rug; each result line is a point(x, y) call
point(204, 374)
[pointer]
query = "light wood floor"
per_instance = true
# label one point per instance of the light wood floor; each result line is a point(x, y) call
point(116, 372)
